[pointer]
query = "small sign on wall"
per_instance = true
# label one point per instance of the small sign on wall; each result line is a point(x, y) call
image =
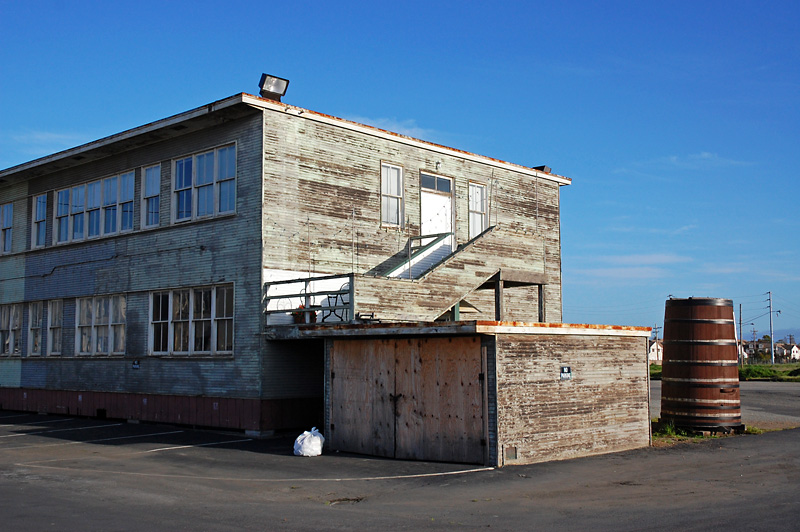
point(135, 364)
point(566, 373)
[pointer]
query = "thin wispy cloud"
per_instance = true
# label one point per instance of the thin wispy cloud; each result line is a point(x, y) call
point(674, 231)
point(623, 273)
point(650, 259)
point(40, 143)
point(701, 161)
point(408, 127)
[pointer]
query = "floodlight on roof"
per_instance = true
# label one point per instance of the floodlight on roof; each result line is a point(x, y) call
point(272, 87)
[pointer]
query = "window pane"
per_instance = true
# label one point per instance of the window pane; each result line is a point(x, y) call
point(35, 317)
point(63, 229)
point(202, 303)
point(180, 305)
point(55, 312)
point(78, 199)
point(94, 222)
point(225, 335)
point(110, 191)
point(160, 337)
point(152, 181)
point(93, 195)
point(84, 312)
point(126, 224)
point(391, 210)
point(85, 339)
point(119, 338)
point(183, 173)
point(205, 200)
point(205, 168)
point(110, 216)
point(180, 341)
point(202, 335)
point(63, 203)
point(118, 309)
point(77, 226)
point(443, 184)
point(427, 181)
point(126, 187)
point(41, 209)
point(227, 196)
point(184, 204)
point(152, 210)
point(101, 314)
point(224, 302)
point(227, 163)
point(102, 346)
point(41, 229)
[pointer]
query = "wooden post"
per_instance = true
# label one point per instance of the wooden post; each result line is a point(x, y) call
point(541, 304)
point(498, 299)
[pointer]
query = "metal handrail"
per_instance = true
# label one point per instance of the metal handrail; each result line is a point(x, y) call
point(309, 296)
point(413, 252)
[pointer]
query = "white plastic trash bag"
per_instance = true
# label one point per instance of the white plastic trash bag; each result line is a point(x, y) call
point(309, 443)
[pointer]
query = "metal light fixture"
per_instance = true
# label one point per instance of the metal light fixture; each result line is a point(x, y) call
point(272, 87)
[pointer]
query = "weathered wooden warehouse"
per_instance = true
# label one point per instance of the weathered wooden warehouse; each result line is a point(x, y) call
point(254, 265)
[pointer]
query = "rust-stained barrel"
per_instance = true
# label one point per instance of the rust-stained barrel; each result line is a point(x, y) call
point(700, 375)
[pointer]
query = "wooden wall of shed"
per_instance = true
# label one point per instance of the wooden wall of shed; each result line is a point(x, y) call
point(322, 200)
point(603, 408)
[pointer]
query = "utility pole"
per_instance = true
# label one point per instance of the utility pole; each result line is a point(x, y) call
point(741, 338)
point(771, 333)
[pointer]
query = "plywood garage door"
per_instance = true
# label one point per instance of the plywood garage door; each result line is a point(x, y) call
point(408, 398)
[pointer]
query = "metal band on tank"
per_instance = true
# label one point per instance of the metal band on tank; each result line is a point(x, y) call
point(700, 301)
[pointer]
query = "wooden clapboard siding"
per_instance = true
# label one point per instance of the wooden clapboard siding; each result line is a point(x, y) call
point(603, 408)
point(426, 299)
point(321, 212)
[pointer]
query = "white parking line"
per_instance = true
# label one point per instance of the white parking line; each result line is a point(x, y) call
point(90, 441)
point(59, 430)
point(196, 445)
point(36, 422)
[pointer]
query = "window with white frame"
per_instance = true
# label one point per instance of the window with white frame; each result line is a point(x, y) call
point(35, 328)
point(10, 329)
point(478, 211)
point(204, 184)
point(151, 196)
point(391, 195)
point(6, 225)
point(101, 325)
point(192, 321)
point(39, 229)
point(99, 208)
point(55, 317)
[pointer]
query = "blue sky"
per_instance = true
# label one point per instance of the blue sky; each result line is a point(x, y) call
point(679, 122)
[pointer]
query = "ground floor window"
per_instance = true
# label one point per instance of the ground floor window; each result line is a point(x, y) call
point(10, 329)
point(192, 321)
point(35, 328)
point(55, 317)
point(101, 325)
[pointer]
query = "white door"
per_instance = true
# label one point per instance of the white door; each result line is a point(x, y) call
point(436, 212)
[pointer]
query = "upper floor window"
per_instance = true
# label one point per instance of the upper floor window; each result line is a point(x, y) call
point(101, 325)
point(478, 211)
point(391, 195)
point(10, 329)
point(192, 321)
point(204, 184)
point(432, 182)
point(6, 222)
point(39, 220)
point(96, 209)
point(151, 199)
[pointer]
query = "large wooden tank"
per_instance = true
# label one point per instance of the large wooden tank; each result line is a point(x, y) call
point(700, 375)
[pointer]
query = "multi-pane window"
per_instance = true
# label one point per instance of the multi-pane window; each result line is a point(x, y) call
point(10, 329)
point(192, 321)
point(432, 182)
point(6, 223)
point(101, 325)
point(39, 220)
point(99, 208)
point(391, 194)
point(205, 184)
point(35, 328)
point(55, 317)
point(478, 212)
point(151, 190)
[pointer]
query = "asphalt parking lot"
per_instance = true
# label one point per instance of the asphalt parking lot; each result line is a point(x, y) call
point(65, 473)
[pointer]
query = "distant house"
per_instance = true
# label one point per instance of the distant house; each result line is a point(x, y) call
point(656, 351)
